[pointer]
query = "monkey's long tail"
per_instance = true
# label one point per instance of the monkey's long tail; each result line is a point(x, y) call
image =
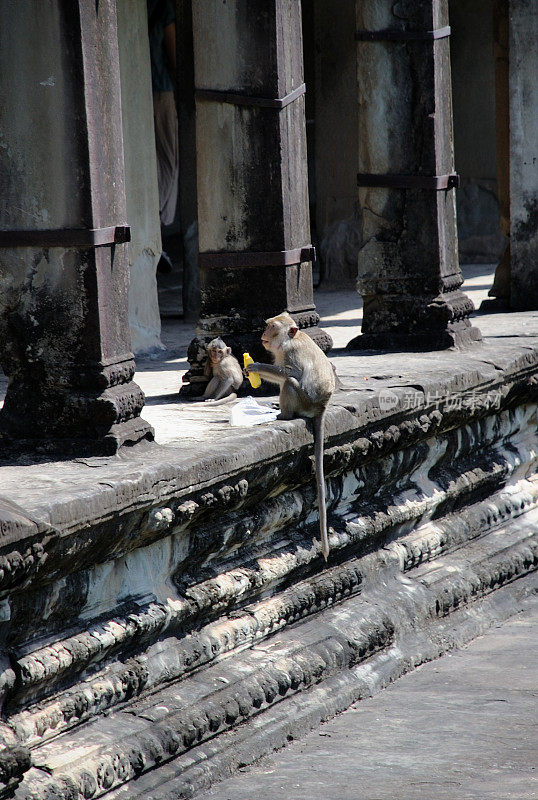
point(319, 427)
point(221, 401)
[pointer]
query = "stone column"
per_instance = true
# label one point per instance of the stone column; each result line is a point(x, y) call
point(523, 93)
point(64, 333)
point(408, 270)
point(252, 171)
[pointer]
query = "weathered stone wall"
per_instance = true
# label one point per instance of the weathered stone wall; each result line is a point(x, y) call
point(140, 174)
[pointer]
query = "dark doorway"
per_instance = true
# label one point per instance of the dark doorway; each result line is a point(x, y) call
point(473, 91)
point(330, 66)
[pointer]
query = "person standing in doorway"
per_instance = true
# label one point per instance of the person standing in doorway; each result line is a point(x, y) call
point(162, 45)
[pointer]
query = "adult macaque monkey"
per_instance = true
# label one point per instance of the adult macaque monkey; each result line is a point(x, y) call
point(307, 380)
point(224, 372)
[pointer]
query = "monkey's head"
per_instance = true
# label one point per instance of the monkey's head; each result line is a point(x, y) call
point(217, 350)
point(278, 332)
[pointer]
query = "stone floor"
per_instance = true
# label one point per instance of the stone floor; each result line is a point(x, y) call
point(464, 727)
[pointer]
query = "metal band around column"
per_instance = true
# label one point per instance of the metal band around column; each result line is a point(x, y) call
point(244, 260)
point(249, 100)
point(433, 182)
point(402, 36)
point(66, 237)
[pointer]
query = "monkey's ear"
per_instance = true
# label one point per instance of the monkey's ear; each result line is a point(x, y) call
point(228, 351)
point(292, 330)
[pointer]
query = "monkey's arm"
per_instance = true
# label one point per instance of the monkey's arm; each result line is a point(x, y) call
point(271, 372)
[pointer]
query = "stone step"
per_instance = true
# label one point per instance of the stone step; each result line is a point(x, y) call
point(223, 756)
point(191, 731)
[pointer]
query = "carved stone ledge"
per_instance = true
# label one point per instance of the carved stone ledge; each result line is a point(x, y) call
point(176, 660)
point(230, 547)
point(322, 652)
point(195, 517)
point(283, 530)
point(134, 754)
point(18, 566)
point(484, 577)
point(15, 761)
point(246, 626)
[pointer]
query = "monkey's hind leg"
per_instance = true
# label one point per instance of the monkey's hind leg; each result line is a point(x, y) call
point(294, 402)
point(218, 391)
point(224, 388)
point(289, 400)
point(211, 388)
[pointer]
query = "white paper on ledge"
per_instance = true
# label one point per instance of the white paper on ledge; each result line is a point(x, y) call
point(248, 411)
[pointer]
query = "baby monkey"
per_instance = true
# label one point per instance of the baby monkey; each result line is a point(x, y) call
point(307, 380)
point(224, 372)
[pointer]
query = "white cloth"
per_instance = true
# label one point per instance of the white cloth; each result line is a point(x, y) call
point(249, 412)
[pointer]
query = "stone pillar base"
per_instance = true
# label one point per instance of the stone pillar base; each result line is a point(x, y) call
point(416, 323)
point(97, 412)
point(126, 433)
point(458, 335)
